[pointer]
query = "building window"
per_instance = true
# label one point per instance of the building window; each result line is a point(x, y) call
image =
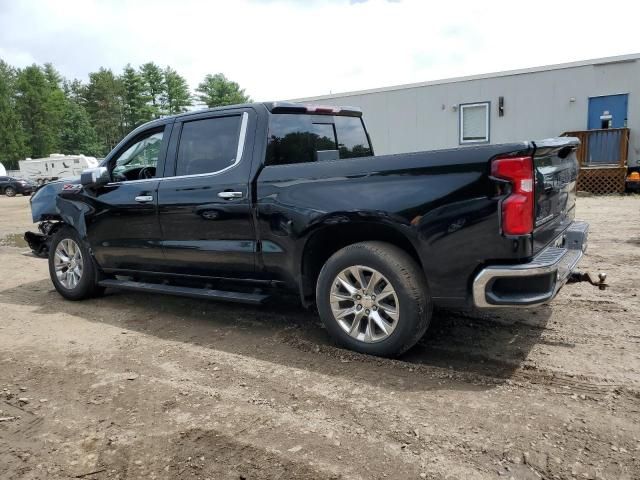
point(474, 122)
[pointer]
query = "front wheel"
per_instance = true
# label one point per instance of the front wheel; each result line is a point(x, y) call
point(71, 266)
point(10, 192)
point(373, 298)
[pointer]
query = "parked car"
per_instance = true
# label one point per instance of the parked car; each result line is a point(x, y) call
point(11, 186)
point(242, 202)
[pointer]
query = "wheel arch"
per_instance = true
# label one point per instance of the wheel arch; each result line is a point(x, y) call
point(329, 238)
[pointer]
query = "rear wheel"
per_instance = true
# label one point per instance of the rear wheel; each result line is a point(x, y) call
point(10, 192)
point(373, 298)
point(71, 266)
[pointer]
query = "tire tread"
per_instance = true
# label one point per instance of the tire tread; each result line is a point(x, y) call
point(411, 277)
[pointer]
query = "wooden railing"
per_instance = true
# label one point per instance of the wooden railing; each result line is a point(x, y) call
point(607, 147)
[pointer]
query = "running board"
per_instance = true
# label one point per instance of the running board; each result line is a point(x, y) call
point(207, 293)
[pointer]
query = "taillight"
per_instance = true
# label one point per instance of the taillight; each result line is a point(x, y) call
point(518, 207)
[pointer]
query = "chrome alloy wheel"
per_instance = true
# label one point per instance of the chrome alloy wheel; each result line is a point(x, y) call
point(68, 263)
point(364, 303)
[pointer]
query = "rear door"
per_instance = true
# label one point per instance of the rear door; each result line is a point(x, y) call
point(556, 174)
point(204, 199)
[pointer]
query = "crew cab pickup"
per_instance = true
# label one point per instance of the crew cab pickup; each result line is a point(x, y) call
point(242, 202)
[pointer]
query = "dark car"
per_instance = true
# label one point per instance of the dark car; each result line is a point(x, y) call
point(10, 186)
point(239, 203)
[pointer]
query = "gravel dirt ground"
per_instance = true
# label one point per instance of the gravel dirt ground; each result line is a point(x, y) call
point(144, 386)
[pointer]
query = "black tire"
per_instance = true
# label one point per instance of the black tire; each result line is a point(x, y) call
point(406, 278)
point(10, 192)
point(87, 286)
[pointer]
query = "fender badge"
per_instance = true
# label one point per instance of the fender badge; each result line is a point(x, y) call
point(72, 187)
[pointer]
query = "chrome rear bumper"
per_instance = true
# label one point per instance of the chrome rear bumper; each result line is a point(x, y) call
point(534, 282)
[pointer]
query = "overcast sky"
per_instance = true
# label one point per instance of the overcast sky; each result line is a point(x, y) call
point(278, 49)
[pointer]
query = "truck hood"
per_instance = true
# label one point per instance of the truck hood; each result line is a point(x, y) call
point(43, 201)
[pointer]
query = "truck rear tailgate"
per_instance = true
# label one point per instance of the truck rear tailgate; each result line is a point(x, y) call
point(556, 174)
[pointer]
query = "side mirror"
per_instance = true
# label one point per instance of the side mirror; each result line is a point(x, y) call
point(95, 177)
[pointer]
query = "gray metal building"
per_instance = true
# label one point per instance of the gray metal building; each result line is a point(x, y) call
point(527, 104)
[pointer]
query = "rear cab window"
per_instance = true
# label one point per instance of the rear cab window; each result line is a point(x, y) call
point(304, 138)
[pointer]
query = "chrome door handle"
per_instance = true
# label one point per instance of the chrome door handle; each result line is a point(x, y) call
point(144, 198)
point(230, 195)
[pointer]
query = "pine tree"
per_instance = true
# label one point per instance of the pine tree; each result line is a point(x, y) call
point(177, 96)
point(216, 90)
point(78, 135)
point(135, 101)
point(12, 136)
point(105, 107)
point(37, 106)
point(75, 90)
point(56, 106)
point(154, 87)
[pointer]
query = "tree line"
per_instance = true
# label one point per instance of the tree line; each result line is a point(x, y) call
point(42, 113)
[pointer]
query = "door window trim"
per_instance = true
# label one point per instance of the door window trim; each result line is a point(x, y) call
point(242, 137)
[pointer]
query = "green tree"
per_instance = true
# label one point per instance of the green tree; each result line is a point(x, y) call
point(154, 86)
point(39, 107)
point(216, 90)
point(54, 79)
point(78, 135)
point(177, 96)
point(105, 107)
point(56, 106)
point(136, 110)
point(75, 90)
point(12, 136)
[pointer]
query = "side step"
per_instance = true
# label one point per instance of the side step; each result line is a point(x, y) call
point(221, 295)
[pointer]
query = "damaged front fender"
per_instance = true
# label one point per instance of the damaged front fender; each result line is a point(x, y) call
point(73, 213)
point(53, 205)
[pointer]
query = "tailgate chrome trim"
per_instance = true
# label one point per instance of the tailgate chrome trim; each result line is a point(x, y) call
point(561, 260)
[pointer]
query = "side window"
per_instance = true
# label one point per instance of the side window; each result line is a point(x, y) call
point(298, 138)
point(295, 138)
point(352, 137)
point(208, 145)
point(140, 160)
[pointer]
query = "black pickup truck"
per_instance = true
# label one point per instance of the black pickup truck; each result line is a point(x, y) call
point(238, 203)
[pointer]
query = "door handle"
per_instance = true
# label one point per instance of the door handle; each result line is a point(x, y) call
point(144, 198)
point(229, 195)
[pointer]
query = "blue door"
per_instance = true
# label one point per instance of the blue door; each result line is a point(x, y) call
point(609, 111)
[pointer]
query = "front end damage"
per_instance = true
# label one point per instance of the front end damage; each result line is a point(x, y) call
point(39, 242)
point(52, 206)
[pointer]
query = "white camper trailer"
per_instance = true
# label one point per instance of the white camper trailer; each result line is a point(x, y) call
point(55, 166)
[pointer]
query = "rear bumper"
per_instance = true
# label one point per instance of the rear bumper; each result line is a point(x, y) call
point(534, 282)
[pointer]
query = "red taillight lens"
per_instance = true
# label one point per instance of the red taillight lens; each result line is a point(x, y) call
point(517, 208)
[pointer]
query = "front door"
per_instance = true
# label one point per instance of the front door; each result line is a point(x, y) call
point(204, 200)
point(124, 231)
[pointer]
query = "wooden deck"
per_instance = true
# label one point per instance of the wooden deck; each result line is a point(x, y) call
point(602, 156)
